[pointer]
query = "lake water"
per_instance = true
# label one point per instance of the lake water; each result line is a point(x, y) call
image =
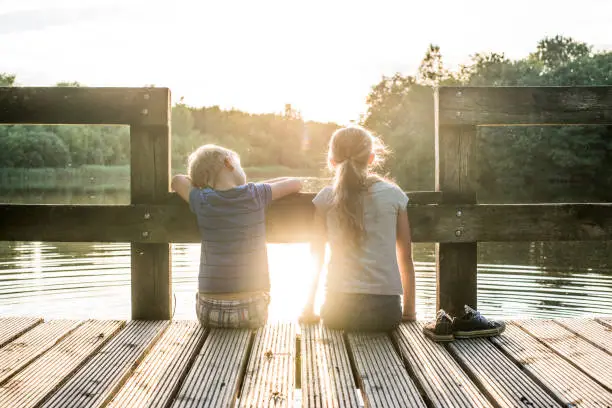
point(92, 280)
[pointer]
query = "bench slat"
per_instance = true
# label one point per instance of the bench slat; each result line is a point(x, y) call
point(29, 387)
point(440, 376)
point(96, 382)
point(214, 377)
point(566, 382)
point(327, 379)
point(382, 376)
point(155, 381)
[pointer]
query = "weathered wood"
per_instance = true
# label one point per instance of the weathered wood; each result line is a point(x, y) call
point(432, 223)
point(596, 333)
point(525, 105)
point(270, 375)
point(455, 173)
point(382, 377)
point(214, 378)
point(150, 183)
point(441, 378)
point(13, 327)
point(327, 379)
point(65, 105)
point(570, 385)
point(595, 362)
point(499, 377)
point(97, 381)
point(27, 347)
point(155, 381)
point(30, 387)
point(606, 321)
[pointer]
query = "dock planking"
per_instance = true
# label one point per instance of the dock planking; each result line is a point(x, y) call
point(270, 375)
point(444, 382)
point(179, 364)
point(499, 377)
point(327, 379)
point(214, 377)
point(13, 327)
point(29, 387)
point(567, 383)
point(381, 374)
point(155, 381)
point(98, 380)
point(591, 330)
point(590, 359)
point(27, 347)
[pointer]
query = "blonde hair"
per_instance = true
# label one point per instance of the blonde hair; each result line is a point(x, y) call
point(350, 149)
point(205, 164)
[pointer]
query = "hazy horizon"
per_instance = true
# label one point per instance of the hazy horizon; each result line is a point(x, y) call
point(321, 57)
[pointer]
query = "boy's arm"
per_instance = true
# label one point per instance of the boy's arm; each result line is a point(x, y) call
point(317, 252)
point(181, 184)
point(284, 187)
point(406, 266)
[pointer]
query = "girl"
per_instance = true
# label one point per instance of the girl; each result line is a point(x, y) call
point(233, 280)
point(364, 219)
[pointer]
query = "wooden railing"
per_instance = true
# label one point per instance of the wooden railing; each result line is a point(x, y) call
point(450, 216)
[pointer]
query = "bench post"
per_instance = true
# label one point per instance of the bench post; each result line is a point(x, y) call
point(456, 262)
point(150, 182)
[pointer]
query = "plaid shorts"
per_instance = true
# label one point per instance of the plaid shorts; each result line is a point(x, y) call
point(248, 313)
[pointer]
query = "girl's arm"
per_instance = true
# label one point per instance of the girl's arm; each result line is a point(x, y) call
point(406, 266)
point(284, 186)
point(317, 252)
point(181, 184)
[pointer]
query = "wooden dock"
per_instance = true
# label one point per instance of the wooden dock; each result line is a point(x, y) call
point(67, 363)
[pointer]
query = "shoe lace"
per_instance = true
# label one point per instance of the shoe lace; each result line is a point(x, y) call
point(476, 315)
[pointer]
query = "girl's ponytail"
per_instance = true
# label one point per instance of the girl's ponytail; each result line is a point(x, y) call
point(351, 151)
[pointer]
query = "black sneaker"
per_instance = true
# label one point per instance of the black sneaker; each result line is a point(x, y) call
point(473, 324)
point(441, 329)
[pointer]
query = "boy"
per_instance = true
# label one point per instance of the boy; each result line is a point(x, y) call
point(233, 282)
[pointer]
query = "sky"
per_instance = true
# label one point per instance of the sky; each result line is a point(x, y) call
point(321, 56)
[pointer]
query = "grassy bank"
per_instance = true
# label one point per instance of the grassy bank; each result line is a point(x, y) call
point(108, 178)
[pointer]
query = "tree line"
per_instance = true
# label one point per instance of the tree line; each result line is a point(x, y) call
point(515, 163)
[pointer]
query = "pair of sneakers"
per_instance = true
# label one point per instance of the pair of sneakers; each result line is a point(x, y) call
point(472, 324)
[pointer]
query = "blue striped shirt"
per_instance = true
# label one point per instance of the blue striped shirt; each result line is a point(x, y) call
point(232, 225)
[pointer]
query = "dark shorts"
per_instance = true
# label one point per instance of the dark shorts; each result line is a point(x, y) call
point(361, 312)
point(249, 313)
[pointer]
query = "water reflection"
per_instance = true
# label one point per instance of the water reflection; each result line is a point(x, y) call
point(92, 280)
point(84, 280)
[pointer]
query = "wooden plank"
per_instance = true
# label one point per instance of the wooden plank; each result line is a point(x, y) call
point(590, 329)
point(499, 377)
point(592, 360)
point(214, 377)
point(70, 105)
point(570, 385)
point(327, 379)
point(150, 183)
point(607, 321)
point(440, 376)
point(27, 347)
point(270, 373)
point(456, 262)
point(173, 222)
point(381, 374)
point(98, 380)
point(13, 327)
point(526, 105)
point(155, 381)
point(30, 387)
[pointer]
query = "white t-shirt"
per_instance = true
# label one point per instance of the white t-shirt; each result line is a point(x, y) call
point(374, 270)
